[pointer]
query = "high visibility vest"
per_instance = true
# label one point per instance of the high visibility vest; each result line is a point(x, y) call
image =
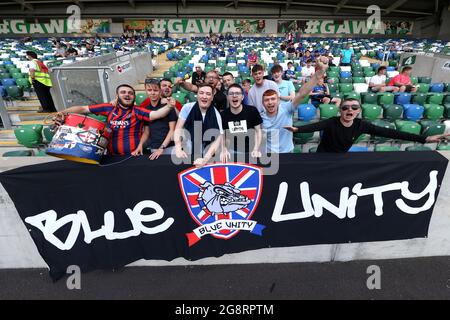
point(42, 77)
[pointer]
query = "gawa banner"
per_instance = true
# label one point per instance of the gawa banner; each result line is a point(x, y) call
point(332, 27)
point(61, 26)
point(206, 26)
point(108, 216)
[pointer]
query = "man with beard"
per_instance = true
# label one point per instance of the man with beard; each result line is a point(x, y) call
point(213, 80)
point(339, 133)
point(158, 134)
point(125, 119)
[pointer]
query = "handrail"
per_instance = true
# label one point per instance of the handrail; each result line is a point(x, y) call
point(117, 57)
point(81, 68)
point(4, 115)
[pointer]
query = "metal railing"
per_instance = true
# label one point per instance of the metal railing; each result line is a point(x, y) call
point(6, 121)
point(102, 76)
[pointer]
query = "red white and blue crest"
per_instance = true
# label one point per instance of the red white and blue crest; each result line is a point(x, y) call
point(221, 199)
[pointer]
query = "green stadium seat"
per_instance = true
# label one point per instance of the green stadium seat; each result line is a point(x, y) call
point(48, 134)
point(334, 69)
point(371, 111)
point(18, 153)
point(17, 75)
point(431, 128)
point(359, 80)
point(447, 110)
point(140, 97)
point(345, 80)
point(433, 111)
point(392, 111)
point(443, 147)
point(192, 97)
point(298, 148)
point(23, 83)
point(419, 98)
point(447, 99)
point(384, 124)
point(168, 74)
point(414, 80)
point(435, 98)
point(345, 87)
point(407, 126)
point(41, 153)
point(424, 79)
point(29, 136)
point(379, 148)
point(328, 111)
point(333, 87)
point(386, 98)
point(14, 92)
point(369, 97)
point(418, 148)
point(302, 138)
point(180, 97)
point(423, 88)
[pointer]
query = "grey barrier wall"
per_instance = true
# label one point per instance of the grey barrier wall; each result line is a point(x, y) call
point(17, 249)
point(436, 66)
point(94, 80)
point(130, 69)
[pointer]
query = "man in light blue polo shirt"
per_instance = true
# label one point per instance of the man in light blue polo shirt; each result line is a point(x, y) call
point(276, 115)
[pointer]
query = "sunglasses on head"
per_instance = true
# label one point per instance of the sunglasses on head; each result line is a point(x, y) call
point(151, 81)
point(353, 106)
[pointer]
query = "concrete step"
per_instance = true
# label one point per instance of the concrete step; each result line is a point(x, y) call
point(21, 123)
point(26, 103)
point(9, 144)
point(32, 116)
point(24, 109)
point(7, 135)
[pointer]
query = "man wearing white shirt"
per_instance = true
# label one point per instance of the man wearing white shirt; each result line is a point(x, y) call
point(307, 71)
point(261, 85)
point(378, 82)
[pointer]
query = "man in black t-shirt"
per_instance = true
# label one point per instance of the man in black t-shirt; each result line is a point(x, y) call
point(339, 133)
point(158, 135)
point(242, 125)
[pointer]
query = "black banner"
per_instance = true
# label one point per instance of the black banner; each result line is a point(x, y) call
point(107, 217)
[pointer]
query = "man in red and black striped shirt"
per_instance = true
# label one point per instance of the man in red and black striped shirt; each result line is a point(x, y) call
point(125, 119)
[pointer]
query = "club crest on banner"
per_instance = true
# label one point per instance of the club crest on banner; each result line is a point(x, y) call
point(221, 199)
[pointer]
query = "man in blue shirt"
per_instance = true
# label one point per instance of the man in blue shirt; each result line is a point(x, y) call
point(277, 115)
point(347, 55)
point(289, 74)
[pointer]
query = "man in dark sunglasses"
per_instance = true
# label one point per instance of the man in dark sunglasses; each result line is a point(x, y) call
point(339, 133)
